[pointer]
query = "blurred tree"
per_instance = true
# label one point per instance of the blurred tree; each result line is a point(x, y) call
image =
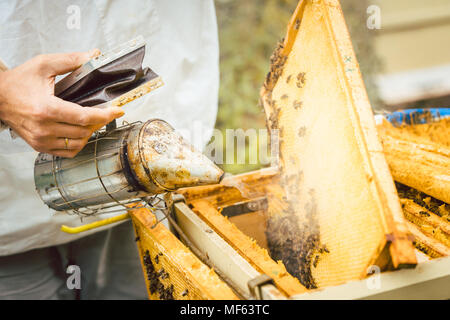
point(249, 31)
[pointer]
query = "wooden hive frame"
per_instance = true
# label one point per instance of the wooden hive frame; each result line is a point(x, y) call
point(419, 157)
point(336, 182)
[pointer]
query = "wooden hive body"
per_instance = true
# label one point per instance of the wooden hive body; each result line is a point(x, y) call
point(171, 270)
point(333, 211)
point(208, 201)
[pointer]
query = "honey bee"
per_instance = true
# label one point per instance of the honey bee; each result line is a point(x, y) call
point(316, 261)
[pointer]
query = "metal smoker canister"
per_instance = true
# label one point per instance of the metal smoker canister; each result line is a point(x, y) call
point(127, 163)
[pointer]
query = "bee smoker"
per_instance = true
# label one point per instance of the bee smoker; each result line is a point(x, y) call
point(120, 166)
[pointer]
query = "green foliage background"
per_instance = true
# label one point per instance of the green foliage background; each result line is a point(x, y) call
point(248, 33)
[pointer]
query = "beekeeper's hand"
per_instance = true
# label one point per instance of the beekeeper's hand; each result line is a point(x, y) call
point(47, 123)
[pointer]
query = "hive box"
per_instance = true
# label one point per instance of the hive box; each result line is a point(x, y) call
point(332, 214)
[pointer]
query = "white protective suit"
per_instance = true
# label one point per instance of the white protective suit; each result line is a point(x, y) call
point(182, 47)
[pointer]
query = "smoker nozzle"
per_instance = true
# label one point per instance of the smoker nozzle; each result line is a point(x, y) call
point(170, 162)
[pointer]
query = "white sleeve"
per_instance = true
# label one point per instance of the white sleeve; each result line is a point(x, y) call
point(3, 126)
point(3, 67)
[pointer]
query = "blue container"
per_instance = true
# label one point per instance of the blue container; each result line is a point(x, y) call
point(415, 116)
